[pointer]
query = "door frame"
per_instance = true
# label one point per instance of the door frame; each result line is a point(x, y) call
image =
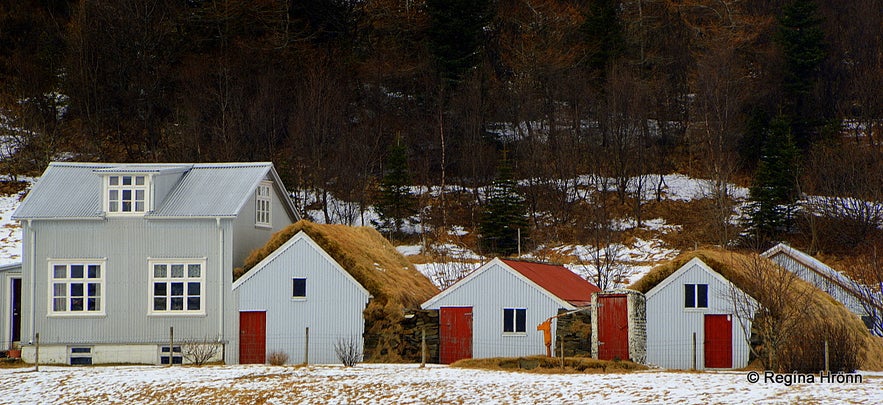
point(241, 340)
point(706, 345)
point(470, 314)
point(601, 318)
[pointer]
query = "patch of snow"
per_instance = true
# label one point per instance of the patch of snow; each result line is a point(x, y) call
point(410, 250)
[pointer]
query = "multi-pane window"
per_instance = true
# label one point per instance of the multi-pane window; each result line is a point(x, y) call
point(176, 357)
point(80, 356)
point(695, 295)
point(177, 286)
point(126, 194)
point(77, 287)
point(262, 205)
point(299, 288)
point(514, 320)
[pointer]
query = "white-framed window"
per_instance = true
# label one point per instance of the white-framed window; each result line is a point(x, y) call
point(177, 356)
point(80, 356)
point(514, 320)
point(76, 287)
point(299, 288)
point(126, 194)
point(177, 286)
point(262, 204)
point(695, 295)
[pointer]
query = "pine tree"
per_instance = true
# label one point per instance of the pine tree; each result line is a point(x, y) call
point(397, 203)
point(774, 189)
point(504, 214)
point(803, 45)
point(455, 34)
point(603, 32)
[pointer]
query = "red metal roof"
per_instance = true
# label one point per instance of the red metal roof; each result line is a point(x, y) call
point(557, 280)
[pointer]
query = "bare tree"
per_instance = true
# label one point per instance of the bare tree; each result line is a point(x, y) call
point(870, 291)
point(348, 351)
point(778, 303)
point(606, 269)
point(200, 351)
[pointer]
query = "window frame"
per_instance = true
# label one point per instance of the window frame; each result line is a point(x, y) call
point(81, 353)
point(168, 279)
point(263, 198)
point(121, 188)
point(293, 289)
point(514, 320)
point(177, 355)
point(68, 281)
point(698, 292)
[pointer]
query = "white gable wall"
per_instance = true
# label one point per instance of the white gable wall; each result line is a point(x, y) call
point(670, 326)
point(835, 290)
point(332, 310)
point(488, 292)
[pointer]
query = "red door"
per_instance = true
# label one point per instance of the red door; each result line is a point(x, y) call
point(718, 341)
point(613, 327)
point(252, 337)
point(455, 334)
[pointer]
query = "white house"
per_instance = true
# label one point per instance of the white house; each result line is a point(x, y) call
point(691, 322)
point(823, 277)
point(494, 311)
point(299, 301)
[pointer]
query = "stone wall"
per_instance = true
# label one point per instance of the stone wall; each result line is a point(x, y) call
point(576, 330)
point(637, 323)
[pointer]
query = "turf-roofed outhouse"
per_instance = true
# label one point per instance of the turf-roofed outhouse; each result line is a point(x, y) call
point(315, 287)
point(495, 310)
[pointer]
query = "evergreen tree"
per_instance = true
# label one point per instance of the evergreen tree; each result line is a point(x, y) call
point(396, 201)
point(603, 32)
point(803, 45)
point(774, 188)
point(504, 214)
point(455, 35)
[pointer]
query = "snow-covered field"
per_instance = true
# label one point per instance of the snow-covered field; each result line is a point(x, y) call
point(401, 384)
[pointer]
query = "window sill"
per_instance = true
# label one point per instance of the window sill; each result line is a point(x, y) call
point(263, 226)
point(76, 315)
point(298, 298)
point(177, 314)
point(700, 309)
point(514, 334)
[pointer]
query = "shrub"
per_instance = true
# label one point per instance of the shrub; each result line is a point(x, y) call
point(277, 358)
point(199, 351)
point(348, 351)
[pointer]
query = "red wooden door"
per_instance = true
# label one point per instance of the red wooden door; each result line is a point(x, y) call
point(455, 334)
point(252, 337)
point(613, 327)
point(718, 341)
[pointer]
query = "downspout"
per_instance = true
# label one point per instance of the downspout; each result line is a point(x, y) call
point(33, 269)
point(222, 312)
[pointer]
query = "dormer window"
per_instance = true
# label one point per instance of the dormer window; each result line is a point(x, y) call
point(262, 205)
point(126, 194)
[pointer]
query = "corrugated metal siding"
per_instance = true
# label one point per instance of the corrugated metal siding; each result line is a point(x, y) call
point(332, 310)
point(227, 185)
point(839, 293)
point(163, 184)
point(248, 235)
point(670, 326)
point(488, 293)
point(127, 244)
point(64, 191)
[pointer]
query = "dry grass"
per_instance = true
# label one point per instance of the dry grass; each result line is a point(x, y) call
point(544, 365)
point(391, 279)
point(826, 309)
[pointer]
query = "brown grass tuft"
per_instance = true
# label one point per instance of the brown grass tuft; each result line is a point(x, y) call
point(543, 364)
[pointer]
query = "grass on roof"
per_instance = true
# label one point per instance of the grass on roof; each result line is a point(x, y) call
point(827, 310)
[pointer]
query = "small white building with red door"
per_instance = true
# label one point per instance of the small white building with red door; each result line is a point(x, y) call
point(691, 321)
point(495, 310)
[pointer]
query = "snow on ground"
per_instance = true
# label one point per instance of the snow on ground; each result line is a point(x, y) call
point(406, 383)
point(10, 231)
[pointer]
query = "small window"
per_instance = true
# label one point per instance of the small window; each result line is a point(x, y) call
point(695, 295)
point(262, 205)
point(80, 356)
point(514, 320)
point(299, 288)
point(177, 357)
point(126, 194)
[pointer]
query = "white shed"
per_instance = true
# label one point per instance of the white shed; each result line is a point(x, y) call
point(299, 286)
point(494, 311)
point(823, 277)
point(691, 322)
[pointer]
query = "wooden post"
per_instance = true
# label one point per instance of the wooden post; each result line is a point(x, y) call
point(423, 346)
point(37, 352)
point(171, 345)
point(694, 350)
point(827, 369)
point(561, 345)
point(307, 346)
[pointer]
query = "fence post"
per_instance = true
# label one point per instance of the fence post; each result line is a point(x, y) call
point(171, 346)
point(423, 346)
point(827, 369)
point(694, 350)
point(562, 351)
point(307, 346)
point(37, 352)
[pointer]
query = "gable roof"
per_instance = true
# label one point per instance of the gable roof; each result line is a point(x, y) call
point(557, 280)
point(697, 262)
point(73, 190)
point(364, 253)
point(300, 236)
point(814, 265)
point(548, 279)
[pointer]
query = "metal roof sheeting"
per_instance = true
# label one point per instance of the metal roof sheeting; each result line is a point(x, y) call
point(557, 280)
point(73, 190)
